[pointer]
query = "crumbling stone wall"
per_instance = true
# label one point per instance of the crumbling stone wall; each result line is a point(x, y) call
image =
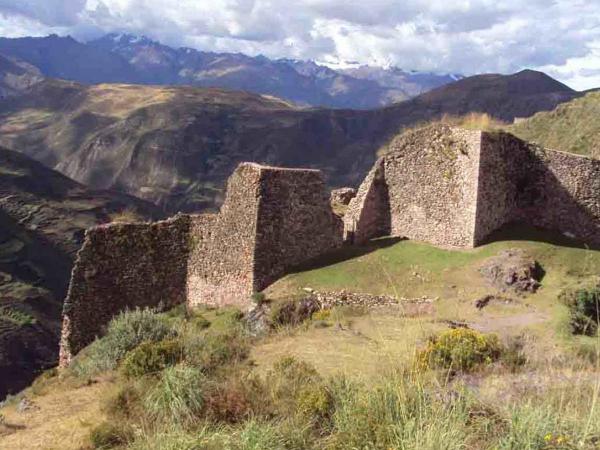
point(123, 266)
point(425, 188)
point(453, 187)
point(562, 193)
point(272, 219)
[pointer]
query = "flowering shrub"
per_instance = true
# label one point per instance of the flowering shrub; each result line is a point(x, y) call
point(459, 349)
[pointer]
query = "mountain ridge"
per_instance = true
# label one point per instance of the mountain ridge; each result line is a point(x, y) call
point(124, 58)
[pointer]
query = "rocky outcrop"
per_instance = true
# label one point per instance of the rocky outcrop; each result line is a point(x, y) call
point(514, 270)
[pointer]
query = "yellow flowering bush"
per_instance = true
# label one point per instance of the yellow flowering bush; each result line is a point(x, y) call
point(459, 349)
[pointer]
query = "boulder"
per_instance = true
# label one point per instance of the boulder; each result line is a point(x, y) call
point(514, 270)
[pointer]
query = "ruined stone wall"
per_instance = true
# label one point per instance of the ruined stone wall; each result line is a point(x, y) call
point(503, 175)
point(221, 268)
point(368, 214)
point(119, 267)
point(295, 222)
point(425, 188)
point(562, 194)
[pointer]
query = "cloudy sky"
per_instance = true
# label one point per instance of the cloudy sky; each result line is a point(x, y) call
point(561, 37)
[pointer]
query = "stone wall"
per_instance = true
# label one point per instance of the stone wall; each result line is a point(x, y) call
point(425, 188)
point(272, 219)
point(123, 266)
point(454, 187)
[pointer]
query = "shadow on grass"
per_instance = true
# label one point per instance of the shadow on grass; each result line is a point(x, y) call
point(522, 232)
point(345, 253)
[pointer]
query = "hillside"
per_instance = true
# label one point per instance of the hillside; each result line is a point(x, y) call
point(16, 76)
point(572, 126)
point(124, 58)
point(348, 375)
point(175, 146)
point(43, 215)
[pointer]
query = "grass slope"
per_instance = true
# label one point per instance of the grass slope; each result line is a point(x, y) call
point(573, 127)
point(548, 400)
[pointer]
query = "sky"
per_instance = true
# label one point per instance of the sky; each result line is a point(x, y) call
point(559, 37)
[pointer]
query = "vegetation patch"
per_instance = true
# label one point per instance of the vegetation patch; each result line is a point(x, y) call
point(584, 310)
point(151, 357)
point(460, 349)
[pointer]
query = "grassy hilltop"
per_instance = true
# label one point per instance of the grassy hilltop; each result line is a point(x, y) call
point(394, 377)
point(572, 127)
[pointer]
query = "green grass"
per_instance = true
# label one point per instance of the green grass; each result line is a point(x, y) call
point(571, 127)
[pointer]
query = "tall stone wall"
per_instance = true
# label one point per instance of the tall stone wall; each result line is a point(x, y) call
point(425, 188)
point(295, 222)
point(123, 266)
point(502, 180)
point(272, 219)
point(221, 268)
point(563, 194)
point(454, 187)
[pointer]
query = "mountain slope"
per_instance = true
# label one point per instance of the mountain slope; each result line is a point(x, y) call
point(125, 58)
point(502, 96)
point(175, 146)
point(43, 215)
point(572, 126)
point(16, 76)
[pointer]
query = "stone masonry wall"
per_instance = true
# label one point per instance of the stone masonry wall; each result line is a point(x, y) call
point(123, 266)
point(454, 187)
point(295, 222)
point(272, 219)
point(562, 194)
point(221, 268)
point(425, 188)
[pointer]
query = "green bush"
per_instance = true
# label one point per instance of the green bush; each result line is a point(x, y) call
point(212, 350)
point(177, 397)
point(584, 308)
point(110, 435)
point(124, 333)
point(459, 349)
point(151, 357)
point(315, 402)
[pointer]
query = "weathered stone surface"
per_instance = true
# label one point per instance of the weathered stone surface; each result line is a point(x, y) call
point(119, 267)
point(454, 187)
point(272, 219)
point(342, 196)
point(512, 269)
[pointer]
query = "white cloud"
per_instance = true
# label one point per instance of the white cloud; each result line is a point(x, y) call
point(466, 36)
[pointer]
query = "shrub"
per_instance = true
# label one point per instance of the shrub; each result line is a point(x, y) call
point(584, 308)
point(321, 315)
point(177, 397)
point(199, 322)
point(232, 401)
point(293, 312)
point(512, 355)
point(109, 435)
point(315, 402)
point(151, 357)
point(258, 298)
point(126, 403)
point(212, 350)
point(125, 332)
point(296, 387)
point(459, 349)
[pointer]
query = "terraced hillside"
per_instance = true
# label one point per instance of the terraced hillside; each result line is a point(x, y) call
point(175, 146)
point(43, 215)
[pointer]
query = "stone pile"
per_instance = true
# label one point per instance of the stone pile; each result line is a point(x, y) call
point(344, 298)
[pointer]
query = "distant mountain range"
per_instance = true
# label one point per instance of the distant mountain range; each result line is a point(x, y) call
point(124, 58)
point(175, 146)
